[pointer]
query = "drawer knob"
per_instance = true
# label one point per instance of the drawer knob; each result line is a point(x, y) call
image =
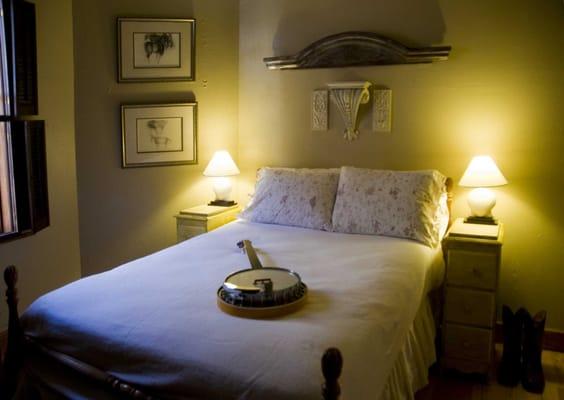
point(476, 271)
point(467, 308)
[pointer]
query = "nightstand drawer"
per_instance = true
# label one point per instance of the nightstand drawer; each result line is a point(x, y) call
point(472, 269)
point(470, 307)
point(197, 220)
point(468, 343)
point(184, 232)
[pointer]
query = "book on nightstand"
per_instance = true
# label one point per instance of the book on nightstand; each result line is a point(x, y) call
point(206, 211)
point(461, 228)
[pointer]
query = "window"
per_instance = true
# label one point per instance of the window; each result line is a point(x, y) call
point(24, 207)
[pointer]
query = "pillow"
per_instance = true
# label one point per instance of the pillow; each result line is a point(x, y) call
point(391, 203)
point(297, 197)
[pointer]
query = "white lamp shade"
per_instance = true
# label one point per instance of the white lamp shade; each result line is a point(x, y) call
point(482, 172)
point(221, 164)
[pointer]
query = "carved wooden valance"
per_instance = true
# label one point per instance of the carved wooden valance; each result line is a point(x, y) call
point(350, 49)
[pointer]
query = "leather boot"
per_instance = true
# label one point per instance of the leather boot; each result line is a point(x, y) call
point(532, 377)
point(509, 370)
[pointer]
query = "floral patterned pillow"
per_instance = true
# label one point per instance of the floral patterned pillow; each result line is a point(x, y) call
point(297, 197)
point(390, 203)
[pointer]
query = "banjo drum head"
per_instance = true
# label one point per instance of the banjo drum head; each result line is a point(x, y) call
point(281, 279)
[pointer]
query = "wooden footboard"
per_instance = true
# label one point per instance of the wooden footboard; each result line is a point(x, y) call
point(14, 360)
point(14, 356)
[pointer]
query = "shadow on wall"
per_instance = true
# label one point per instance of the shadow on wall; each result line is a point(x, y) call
point(411, 22)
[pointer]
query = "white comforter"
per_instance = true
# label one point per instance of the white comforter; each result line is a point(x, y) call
point(154, 322)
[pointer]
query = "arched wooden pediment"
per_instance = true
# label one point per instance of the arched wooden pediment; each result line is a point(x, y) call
point(350, 49)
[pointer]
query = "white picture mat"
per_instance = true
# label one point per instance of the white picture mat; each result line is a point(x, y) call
point(169, 112)
point(183, 28)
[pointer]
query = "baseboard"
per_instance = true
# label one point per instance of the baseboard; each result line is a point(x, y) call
point(553, 340)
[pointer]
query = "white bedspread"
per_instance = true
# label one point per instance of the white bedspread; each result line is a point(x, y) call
point(154, 322)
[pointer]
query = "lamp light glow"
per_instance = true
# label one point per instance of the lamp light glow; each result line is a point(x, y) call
point(221, 167)
point(482, 173)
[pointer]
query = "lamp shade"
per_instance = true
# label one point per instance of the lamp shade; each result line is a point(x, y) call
point(482, 172)
point(221, 164)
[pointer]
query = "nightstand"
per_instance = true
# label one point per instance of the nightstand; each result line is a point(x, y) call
point(473, 256)
point(194, 221)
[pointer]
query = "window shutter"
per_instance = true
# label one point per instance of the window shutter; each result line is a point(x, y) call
point(30, 175)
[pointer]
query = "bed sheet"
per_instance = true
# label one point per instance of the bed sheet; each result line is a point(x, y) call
point(154, 322)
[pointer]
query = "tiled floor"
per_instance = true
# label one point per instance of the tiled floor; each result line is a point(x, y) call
point(458, 387)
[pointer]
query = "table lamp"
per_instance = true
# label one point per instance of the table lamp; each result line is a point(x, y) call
point(221, 167)
point(482, 173)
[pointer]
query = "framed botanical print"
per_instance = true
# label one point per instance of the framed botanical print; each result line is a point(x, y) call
point(153, 49)
point(158, 134)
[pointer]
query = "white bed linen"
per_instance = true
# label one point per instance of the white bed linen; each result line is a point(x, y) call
point(154, 322)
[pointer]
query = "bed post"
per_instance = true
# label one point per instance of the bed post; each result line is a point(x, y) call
point(331, 365)
point(449, 186)
point(13, 358)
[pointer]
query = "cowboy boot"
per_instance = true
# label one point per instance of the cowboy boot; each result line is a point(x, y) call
point(509, 370)
point(532, 378)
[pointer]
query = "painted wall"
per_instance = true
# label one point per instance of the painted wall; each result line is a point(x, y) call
point(500, 93)
point(51, 258)
point(127, 213)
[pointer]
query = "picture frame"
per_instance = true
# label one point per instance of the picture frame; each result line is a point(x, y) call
point(156, 49)
point(159, 134)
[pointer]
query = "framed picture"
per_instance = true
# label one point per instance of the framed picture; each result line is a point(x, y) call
point(153, 49)
point(158, 134)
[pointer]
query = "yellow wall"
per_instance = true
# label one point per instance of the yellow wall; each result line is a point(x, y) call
point(127, 213)
point(500, 93)
point(51, 258)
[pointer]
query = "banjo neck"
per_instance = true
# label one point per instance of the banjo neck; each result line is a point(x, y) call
point(247, 246)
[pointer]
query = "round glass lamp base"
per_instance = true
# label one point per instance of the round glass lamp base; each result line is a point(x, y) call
point(222, 188)
point(481, 202)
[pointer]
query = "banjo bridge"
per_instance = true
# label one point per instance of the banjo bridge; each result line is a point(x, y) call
point(265, 284)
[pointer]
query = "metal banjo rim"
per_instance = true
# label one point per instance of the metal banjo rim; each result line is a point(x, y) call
point(262, 312)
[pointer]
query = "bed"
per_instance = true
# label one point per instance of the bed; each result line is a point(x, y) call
point(153, 325)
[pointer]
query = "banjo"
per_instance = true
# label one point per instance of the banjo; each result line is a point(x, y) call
point(261, 292)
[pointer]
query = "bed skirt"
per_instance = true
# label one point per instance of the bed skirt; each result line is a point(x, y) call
point(410, 371)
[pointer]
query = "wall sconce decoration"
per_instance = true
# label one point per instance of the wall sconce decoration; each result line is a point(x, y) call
point(382, 111)
point(348, 96)
point(220, 168)
point(348, 49)
point(482, 173)
point(320, 110)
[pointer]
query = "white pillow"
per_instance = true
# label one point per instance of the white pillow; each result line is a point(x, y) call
point(297, 197)
point(390, 203)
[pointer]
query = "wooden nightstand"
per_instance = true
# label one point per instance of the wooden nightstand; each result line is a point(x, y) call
point(473, 256)
point(194, 221)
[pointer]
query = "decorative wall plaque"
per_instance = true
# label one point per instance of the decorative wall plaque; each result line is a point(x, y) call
point(320, 110)
point(382, 110)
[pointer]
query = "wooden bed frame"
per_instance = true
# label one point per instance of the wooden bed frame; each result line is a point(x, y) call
point(19, 348)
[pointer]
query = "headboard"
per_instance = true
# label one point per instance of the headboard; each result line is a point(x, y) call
point(449, 185)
